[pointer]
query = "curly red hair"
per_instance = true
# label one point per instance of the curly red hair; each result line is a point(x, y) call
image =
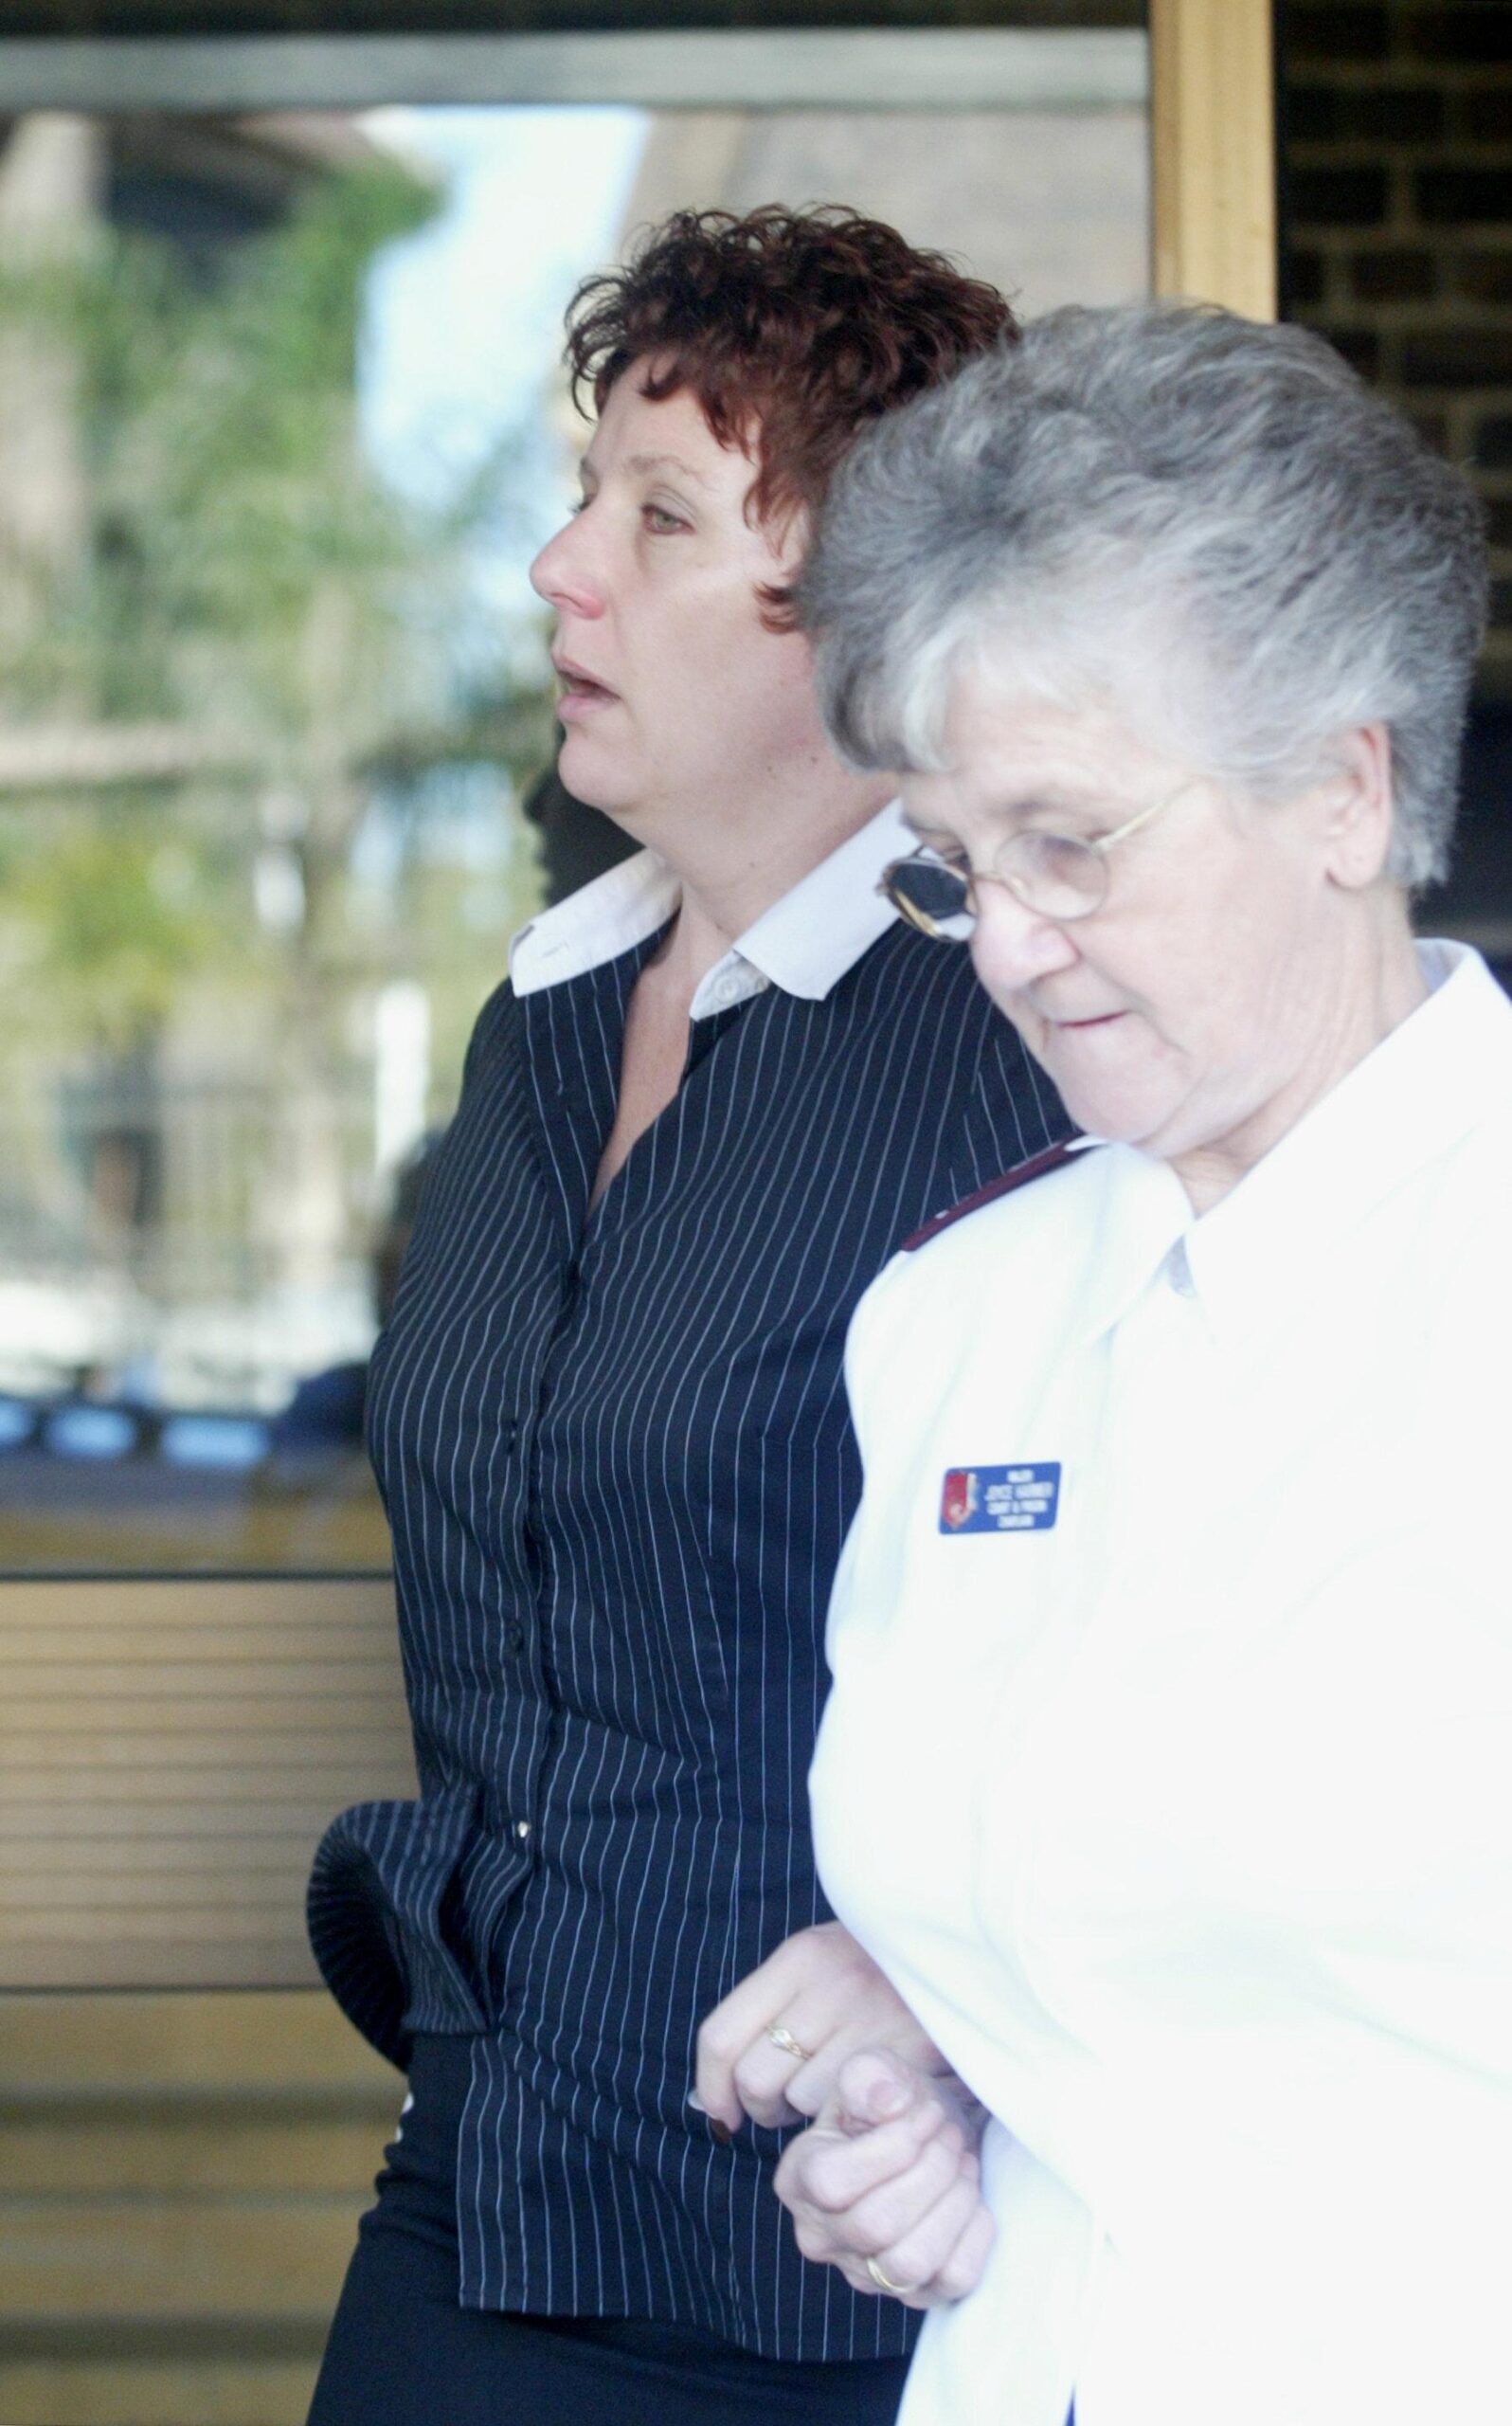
point(793, 329)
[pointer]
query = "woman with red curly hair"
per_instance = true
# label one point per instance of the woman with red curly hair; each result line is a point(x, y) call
point(722, 1084)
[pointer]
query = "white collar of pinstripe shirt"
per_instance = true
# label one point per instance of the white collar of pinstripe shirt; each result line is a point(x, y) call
point(804, 944)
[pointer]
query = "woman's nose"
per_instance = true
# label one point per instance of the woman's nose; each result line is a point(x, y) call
point(1013, 945)
point(564, 574)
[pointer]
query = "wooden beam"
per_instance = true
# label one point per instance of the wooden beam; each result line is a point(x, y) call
point(1213, 144)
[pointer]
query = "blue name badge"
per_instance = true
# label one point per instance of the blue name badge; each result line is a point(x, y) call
point(999, 1499)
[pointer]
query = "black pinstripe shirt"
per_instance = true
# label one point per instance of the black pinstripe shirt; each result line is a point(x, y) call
point(616, 1456)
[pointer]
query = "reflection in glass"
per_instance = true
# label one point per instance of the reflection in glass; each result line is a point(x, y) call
point(279, 430)
point(259, 736)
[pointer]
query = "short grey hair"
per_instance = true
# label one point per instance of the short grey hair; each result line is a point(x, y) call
point(1209, 521)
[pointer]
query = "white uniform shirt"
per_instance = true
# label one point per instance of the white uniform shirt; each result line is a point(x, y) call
point(1168, 1766)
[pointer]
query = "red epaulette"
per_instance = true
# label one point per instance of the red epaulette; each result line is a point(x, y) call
point(1021, 1176)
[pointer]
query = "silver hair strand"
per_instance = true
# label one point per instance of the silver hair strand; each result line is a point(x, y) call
point(1209, 521)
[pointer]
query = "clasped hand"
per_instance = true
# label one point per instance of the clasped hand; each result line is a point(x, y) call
point(889, 2170)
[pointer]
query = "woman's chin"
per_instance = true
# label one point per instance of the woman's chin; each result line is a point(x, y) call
point(1111, 1081)
point(592, 777)
point(1123, 1117)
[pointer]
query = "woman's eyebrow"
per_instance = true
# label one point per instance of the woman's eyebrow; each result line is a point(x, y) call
point(665, 462)
point(1046, 800)
point(1043, 802)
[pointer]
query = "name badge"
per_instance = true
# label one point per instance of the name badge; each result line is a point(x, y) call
point(999, 1499)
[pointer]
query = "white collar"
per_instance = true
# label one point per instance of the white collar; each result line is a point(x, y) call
point(1433, 1078)
point(805, 944)
point(1412, 1096)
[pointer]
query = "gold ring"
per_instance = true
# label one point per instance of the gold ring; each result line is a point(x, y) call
point(885, 2282)
point(789, 2045)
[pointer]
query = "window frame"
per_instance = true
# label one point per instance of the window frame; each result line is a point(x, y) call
point(1213, 134)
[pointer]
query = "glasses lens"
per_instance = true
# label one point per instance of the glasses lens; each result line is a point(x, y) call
point(929, 895)
point(1055, 874)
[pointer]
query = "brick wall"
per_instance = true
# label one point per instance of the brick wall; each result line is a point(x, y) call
point(1396, 198)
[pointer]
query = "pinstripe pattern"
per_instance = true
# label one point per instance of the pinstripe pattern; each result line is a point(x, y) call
point(616, 1459)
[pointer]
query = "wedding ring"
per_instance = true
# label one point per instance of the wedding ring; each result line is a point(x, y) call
point(885, 2282)
point(789, 2045)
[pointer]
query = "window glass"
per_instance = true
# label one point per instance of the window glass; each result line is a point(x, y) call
point(280, 428)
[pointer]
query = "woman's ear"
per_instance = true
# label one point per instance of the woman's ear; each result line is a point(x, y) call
point(1356, 805)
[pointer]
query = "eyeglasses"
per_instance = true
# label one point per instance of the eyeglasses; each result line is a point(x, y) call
point(1057, 876)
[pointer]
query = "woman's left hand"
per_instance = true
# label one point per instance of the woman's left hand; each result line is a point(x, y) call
point(774, 2049)
point(886, 2183)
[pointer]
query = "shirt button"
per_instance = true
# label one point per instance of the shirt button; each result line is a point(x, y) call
point(522, 1829)
point(509, 1432)
point(515, 1638)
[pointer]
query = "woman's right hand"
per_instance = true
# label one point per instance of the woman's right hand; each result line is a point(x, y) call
point(889, 2170)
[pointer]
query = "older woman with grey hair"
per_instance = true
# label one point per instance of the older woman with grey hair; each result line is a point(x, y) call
point(1168, 1766)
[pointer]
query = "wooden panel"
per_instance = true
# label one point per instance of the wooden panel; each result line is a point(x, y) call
point(122, 2392)
point(1213, 106)
point(170, 1753)
point(157, 2046)
point(175, 2259)
point(180, 2181)
point(117, 2150)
